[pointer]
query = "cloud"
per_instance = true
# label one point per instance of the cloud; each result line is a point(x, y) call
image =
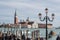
point(20, 4)
point(56, 1)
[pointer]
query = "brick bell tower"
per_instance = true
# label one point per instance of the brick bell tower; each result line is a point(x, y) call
point(15, 18)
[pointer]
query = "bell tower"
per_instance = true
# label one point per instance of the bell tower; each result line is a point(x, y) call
point(15, 18)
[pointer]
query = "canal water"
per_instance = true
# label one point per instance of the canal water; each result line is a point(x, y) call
point(42, 31)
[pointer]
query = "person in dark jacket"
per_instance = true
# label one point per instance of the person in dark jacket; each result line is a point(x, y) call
point(58, 38)
point(28, 39)
point(23, 37)
point(50, 34)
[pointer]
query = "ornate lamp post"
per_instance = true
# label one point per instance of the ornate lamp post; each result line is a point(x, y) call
point(46, 18)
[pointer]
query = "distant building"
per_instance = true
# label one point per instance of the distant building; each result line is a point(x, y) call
point(23, 24)
point(15, 18)
point(26, 24)
point(44, 25)
point(35, 25)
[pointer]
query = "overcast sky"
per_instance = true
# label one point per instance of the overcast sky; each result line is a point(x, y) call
point(29, 8)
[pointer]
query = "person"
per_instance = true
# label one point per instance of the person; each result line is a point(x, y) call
point(28, 39)
point(58, 37)
point(13, 37)
point(23, 37)
point(50, 34)
point(1, 35)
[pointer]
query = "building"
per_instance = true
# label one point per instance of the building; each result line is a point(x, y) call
point(23, 24)
point(44, 25)
point(35, 25)
point(15, 18)
point(26, 24)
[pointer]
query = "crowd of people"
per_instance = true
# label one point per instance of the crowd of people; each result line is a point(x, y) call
point(8, 36)
point(5, 36)
point(11, 37)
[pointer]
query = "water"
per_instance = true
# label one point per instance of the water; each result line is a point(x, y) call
point(42, 31)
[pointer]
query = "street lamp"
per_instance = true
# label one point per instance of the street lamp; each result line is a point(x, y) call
point(46, 18)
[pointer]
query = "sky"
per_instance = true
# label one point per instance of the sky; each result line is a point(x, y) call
point(29, 8)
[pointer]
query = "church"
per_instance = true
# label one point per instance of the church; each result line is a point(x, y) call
point(26, 24)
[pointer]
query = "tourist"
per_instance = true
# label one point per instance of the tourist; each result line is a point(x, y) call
point(58, 37)
point(23, 37)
